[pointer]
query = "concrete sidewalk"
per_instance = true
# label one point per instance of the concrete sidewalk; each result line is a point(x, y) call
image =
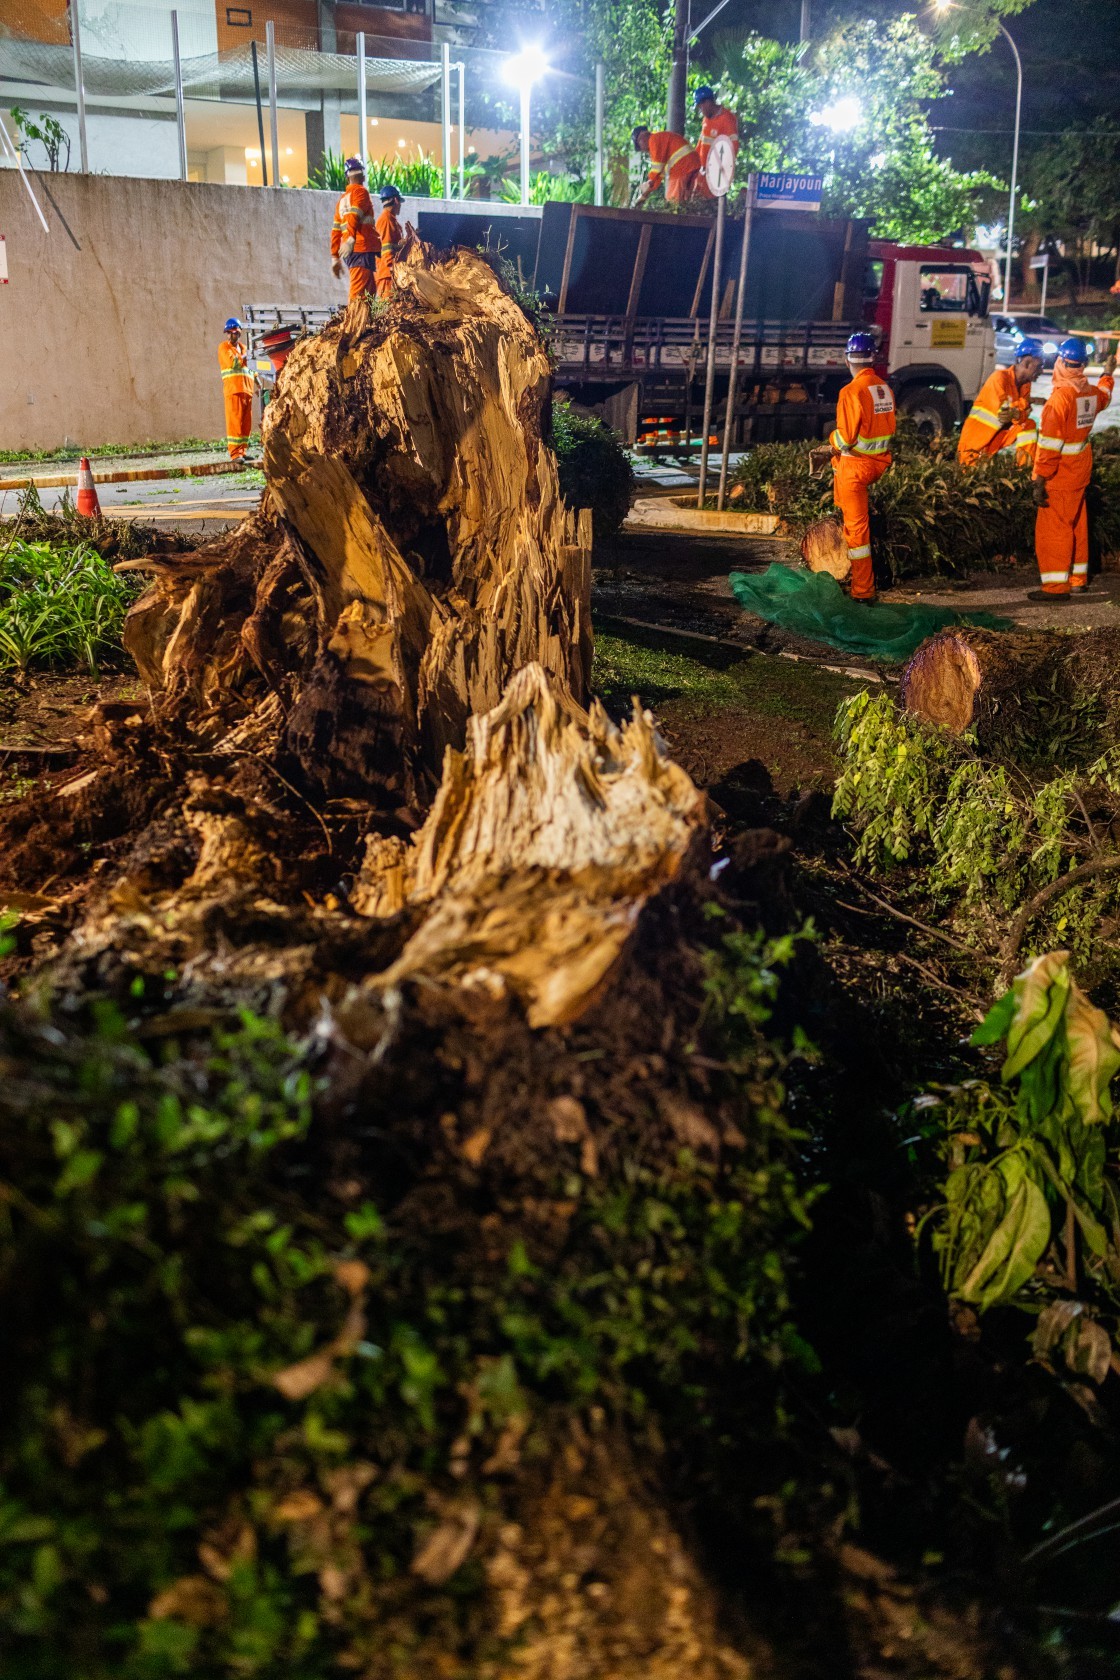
point(119, 469)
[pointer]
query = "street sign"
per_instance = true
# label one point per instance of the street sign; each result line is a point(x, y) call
point(720, 167)
point(789, 192)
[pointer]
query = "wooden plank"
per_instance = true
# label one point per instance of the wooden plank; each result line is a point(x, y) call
point(567, 269)
point(639, 271)
point(695, 310)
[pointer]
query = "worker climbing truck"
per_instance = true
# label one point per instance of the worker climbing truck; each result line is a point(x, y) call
point(630, 296)
point(631, 293)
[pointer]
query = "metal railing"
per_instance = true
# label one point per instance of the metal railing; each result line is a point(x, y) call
point(614, 345)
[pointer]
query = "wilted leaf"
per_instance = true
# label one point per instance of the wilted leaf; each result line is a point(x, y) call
point(446, 1547)
point(297, 1381)
point(1013, 1250)
point(1053, 1322)
point(300, 1506)
point(353, 1275)
point(1040, 997)
point(194, 1599)
point(1093, 1058)
point(1088, 1349)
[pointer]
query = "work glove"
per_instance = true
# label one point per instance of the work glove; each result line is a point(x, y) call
point(1110, 363)
point(336, 267)
point(347, 250)
point(1039, 493)
point(1007, 412)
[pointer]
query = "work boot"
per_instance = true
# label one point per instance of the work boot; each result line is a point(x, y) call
point(864, 600)
point(1048, 595)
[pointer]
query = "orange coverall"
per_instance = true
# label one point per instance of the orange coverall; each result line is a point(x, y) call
point(672, 154)
point(1064, 458)
point(354, 221)
point(237, 389)
point(724, 122)
point(390, 233)
point(983, 433)
point(861, 453)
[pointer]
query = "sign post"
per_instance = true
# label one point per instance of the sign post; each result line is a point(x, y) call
point(1043, 263)
point(733, 376)
point(719, 170)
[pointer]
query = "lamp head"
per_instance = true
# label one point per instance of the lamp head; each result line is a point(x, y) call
point(526, 66)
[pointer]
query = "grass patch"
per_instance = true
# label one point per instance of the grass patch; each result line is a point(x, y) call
point(718, 679)
point(72, 452)
point(61, 607)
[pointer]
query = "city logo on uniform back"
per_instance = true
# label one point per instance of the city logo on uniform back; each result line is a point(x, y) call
point(1086, 411)
point(882, 399)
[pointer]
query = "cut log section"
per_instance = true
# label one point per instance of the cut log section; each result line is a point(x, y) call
point(548, 835)
point(1000, 683)
point(412, 552)
point(823, 549)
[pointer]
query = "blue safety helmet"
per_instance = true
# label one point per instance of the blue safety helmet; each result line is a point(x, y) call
point(231, 323)
point(1028, 347)
point(387, 194)
point(1073, 350)
point(702, 93)
point(861, 347)
point(355, 166)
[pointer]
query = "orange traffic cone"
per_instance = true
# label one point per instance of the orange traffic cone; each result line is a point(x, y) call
point(88, 504)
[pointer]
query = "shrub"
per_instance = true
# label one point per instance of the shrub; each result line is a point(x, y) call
point(61, 605)
point(595, 470)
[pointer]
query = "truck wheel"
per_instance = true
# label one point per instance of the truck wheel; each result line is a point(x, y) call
point(931, 411)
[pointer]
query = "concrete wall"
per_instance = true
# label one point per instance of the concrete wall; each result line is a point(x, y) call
point(119, 343)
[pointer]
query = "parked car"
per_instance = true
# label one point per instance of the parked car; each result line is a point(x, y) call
point(1011, 328)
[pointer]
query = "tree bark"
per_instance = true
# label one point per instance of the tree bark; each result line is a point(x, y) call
point(1007, 685)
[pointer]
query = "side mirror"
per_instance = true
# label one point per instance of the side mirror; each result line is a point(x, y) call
point(979, 295)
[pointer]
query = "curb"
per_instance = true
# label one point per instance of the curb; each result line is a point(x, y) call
point(649, 513)
point(132, 475)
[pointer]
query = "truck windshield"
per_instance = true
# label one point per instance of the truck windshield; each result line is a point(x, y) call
point(945, 290)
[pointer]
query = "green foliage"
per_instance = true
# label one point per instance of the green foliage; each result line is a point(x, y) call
point(331, 173)
point(545, 188)
point(1031, 1215)
point(928, 513)
point(49, 133)
point(61, 605)
point(230, 1403)
point(986, 835)
point(71, 452)
point(595, 469)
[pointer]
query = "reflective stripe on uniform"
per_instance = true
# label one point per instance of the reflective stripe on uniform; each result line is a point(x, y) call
point(838, 441)
point(1050, 443)
point(985, 417)
point(676, 157)
point(871, 446)
point(1074, 448)
point(860, 553)
point(1053, 577)
point(1081, 568)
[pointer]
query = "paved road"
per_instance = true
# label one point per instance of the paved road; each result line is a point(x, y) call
point(201, 506)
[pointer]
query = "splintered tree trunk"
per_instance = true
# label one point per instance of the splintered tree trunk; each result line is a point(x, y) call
point(412, 551)
point(1004, 684)
point(823, 549)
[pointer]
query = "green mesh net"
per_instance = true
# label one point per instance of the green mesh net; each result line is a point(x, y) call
point(813, 605)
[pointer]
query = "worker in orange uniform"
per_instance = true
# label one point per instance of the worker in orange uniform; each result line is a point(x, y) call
point(1063, 463)
point(391, 235)
point(673, 158)
point(861, 453)
point(1000, 418)
point(237, 389)
point(354, 232)
point(714, 119)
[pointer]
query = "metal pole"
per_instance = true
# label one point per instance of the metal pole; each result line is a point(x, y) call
point(525, 90)
point(260, 108)
point(445, 108)
point(462, 69)
point(713, 323)
point(1014, 166)
point(1045, 278)
point(600, 104)
point(732, 377)
point(17, 159)
point(678, 72)
point(806, 20)
point(270, 41)
point(79, 85)
point(363, 115)
point(180, 113)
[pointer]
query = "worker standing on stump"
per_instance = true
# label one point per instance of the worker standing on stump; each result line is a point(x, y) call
point(354, 233)
point(391, 235)
point(861, 453)
point(673, 158)
point(714, 119)
point(237, 390)
point(1000, 418)
point(1063, 464)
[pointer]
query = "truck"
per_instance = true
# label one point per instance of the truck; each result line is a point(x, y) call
point(628, 299)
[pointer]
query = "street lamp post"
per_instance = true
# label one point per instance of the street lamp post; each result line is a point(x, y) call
point(521, 71)
point(1014, 166)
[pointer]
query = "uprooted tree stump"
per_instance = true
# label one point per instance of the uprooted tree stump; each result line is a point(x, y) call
point(823, 549)
point(1007, 686)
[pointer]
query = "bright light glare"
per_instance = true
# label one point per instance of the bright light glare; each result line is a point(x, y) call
point(942, 6)
point(525, 67)
point(841, 116)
